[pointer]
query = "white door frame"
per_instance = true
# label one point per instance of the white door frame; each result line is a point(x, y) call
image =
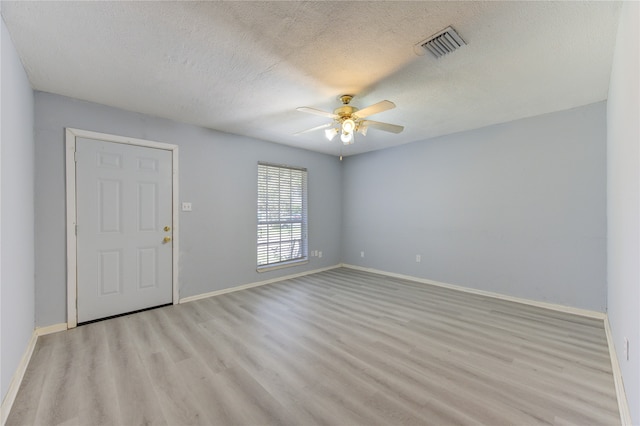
point(72, 283)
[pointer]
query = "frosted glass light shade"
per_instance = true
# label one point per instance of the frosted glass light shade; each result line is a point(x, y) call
point(346, 138)
point(348, 126)
point(331, 133)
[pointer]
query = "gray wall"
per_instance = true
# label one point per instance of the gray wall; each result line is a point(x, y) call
point(218, 174)
point(515, 208)
point(623, 201)
point(16, 216)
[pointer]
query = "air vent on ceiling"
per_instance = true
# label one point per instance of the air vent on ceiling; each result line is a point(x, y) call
point(439, 44)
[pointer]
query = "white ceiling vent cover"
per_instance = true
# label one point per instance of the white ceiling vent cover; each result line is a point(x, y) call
point(439, 44)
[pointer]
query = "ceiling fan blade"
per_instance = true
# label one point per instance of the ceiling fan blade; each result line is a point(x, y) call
point(317, 112)
point(374, 109)
point(324, 126)
point(393, 128)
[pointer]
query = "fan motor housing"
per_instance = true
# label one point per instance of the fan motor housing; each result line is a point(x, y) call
point(345, 111)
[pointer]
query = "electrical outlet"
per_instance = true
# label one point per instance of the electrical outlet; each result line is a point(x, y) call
point(626, 348)
point(187, 207)
point(361, 254)
point(418, 258)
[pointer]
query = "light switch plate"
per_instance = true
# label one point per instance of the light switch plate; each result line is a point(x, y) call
point(187, 207)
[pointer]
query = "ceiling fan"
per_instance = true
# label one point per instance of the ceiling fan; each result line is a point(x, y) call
point(347, 120)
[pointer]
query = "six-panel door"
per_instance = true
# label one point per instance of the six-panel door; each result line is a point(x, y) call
point(124, 236)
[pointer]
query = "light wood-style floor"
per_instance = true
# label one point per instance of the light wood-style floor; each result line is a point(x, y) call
point(341, 347)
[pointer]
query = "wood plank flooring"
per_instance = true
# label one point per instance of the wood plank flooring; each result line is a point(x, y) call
point(342, 347)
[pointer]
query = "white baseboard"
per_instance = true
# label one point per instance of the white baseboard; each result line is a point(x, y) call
point(552, 306)
point(43, 331)
point(256, 284)
point(16, 380)
point(623, 405)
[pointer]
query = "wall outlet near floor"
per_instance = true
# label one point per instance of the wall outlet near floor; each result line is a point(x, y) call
point(625, 348)
point(361, 254)
point(418, 258)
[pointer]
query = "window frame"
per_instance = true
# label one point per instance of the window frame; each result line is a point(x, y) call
point(285, 216)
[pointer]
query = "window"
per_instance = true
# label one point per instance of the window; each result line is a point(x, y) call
point(282, 216)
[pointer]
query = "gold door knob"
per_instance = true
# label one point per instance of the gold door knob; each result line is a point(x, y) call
point(166, 239)
point(167, 228)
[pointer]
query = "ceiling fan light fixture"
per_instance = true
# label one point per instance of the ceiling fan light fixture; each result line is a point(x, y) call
point(331, 133)
point(346, 138)
point(348, 126)
point(348, 120)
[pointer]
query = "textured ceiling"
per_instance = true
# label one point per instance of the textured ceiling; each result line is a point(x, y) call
point(243, 67)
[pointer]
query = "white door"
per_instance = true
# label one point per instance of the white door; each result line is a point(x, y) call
point(124, 235)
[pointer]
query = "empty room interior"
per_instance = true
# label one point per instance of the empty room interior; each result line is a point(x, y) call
point(318, 212)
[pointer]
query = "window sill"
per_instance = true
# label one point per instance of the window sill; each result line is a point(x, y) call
point(282, 265)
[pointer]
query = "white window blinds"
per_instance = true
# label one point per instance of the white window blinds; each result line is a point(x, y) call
point(282, 215)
